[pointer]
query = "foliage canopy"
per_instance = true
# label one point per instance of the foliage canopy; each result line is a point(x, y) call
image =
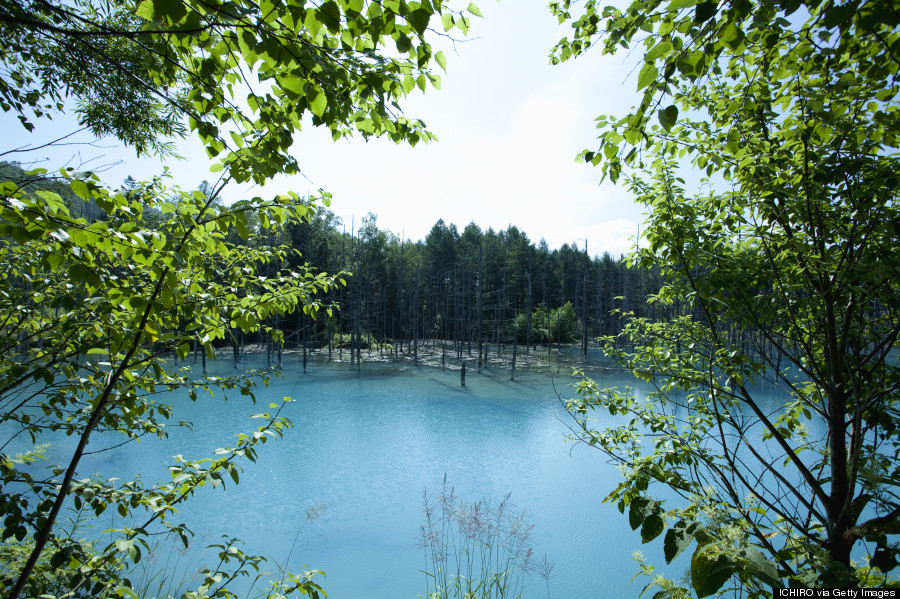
point(782, 270)
point(243, 74)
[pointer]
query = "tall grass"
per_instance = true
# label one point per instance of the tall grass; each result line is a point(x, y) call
point(477, 550)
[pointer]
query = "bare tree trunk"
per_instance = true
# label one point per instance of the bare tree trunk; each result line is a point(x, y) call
point(528, 316)
point(584, 304)
point(512, 373)
point(558, 332)
point(480, 305)
point(416, 321)
point(280, 344)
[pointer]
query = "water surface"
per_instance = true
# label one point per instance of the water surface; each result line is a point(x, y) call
point(366, 445)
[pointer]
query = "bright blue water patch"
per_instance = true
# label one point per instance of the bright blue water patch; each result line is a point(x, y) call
point(366, 445)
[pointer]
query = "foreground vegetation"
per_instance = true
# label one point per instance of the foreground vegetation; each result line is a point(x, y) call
point(784, 266)
point(791, 108)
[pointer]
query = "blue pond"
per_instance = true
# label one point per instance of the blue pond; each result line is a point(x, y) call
point(365, 446)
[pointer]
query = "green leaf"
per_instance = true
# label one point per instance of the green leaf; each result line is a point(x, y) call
point(652, 528)
point(171, 11)
point(81, 189)
point(441, 59)
point(732, 36)
point(710, 570)
point(419, 20)
point(409, 83)
point(404, 44)
point(240, 224)
point(54, 261)
point(693, 65)
point(145, 10)
point(640, 508)
point(447, 21)
point(677, 539)
point(661, 49)
point(317, 101)
point(668, 117)
point(329, 14)
point(704, 11)
point(648, 75)
point(475, 10)
point(61, 557)
point(760, 568)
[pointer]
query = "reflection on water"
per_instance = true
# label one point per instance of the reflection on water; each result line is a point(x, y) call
point(367, 444)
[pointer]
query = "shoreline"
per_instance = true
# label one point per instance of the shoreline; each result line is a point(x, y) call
point(434, 354)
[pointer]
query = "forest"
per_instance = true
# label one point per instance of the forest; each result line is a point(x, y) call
point(764, 145)
point(479, 290)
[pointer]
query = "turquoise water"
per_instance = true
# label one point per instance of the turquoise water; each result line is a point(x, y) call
point(365, 446)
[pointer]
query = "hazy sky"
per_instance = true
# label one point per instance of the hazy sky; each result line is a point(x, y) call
point(509, 127)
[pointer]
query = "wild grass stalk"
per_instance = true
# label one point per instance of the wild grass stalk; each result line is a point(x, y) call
point(478, 550)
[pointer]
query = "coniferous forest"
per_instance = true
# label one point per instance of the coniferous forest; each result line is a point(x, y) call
point(482, 291)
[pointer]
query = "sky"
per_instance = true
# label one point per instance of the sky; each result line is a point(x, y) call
point(509, 127)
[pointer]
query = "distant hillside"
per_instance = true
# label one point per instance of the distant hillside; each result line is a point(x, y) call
point(77, 207)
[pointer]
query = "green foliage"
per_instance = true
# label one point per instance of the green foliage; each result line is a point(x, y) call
point(784, 272)
point(556, 325)
point(562, 323)
point(139, 70)
point(53, 575)
point(89, 310)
